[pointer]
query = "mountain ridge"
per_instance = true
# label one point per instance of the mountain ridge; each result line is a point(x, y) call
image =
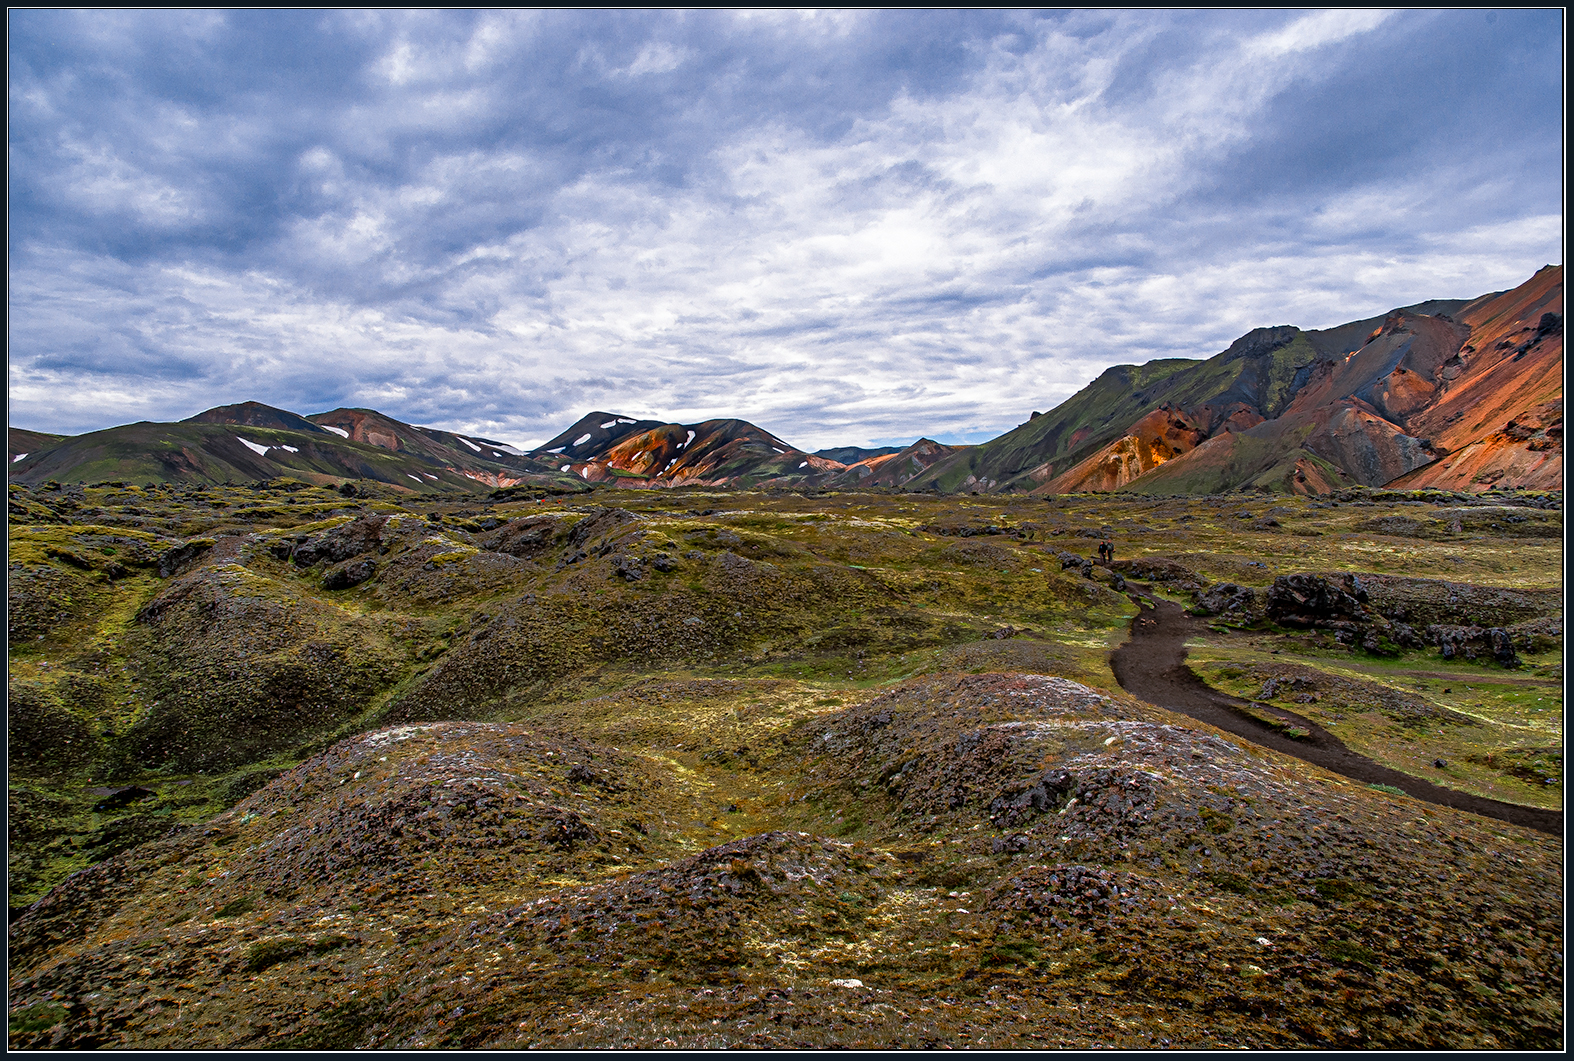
point(1452, 393)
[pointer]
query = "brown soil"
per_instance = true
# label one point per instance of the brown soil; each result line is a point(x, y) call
point(1151, 666)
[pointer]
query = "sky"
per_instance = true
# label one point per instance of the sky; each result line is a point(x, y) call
point(850, 228)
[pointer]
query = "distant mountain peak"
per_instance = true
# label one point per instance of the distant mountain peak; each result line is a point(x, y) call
point(254, 414)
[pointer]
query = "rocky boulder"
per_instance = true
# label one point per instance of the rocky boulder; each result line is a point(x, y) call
point(1229, 601)
point(525, 538)
point(1156, 569)
point(178, 558)
point(1473, 643)
point(1341, 605)
point(599, 523)
point(355, 538)
point(1313, 601)
point(350, 573)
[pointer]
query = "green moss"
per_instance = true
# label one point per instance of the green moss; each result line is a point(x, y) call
point(452, 556)
point(1338, 890)
point(1348, 952)
point(236, 907)
point(1216, 821)
point(36, 1018)
point(265, 954)
point(1233, 883)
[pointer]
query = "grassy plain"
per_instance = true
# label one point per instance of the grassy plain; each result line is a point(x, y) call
point(652, 768)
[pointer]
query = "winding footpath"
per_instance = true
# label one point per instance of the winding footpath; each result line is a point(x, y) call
point(1151, 665)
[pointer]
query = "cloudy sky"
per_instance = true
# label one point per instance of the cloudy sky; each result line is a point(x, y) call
point(849, 228)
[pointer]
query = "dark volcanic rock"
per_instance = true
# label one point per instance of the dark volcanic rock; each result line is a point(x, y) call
point(355, 538)
point(527, 537)
point(1048, 793)
point(1241, 603)
point(1313, 600)
point(628, 568)
point(174, 560)
point(599, 524)
point(124, 797)
point(1474, 642)
point(350, 573)
point(1152, 569)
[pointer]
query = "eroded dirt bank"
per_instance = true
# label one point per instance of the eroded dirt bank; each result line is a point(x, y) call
point(1151, 665)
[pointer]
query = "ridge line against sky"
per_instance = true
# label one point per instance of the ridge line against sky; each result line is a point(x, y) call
point(850, 228)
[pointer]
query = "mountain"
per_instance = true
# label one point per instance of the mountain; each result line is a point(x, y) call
point(20, 442)
point(1451, 393)
point(605, 447)
point(251, 441)
point(481, 460)
point(1464, 394)
point(855, 454)
point(254, 414)
point(898, 468)
point(592, 436)
point(1498, 417)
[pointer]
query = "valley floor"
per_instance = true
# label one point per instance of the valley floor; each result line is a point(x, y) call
point(710, 769)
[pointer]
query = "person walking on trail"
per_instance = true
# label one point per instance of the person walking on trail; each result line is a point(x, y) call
point(1109, 552)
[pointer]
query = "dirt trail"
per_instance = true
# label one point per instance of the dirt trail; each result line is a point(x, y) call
point(1151, 665)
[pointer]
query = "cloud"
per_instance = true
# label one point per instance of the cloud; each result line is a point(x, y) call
point(846, 227)
point(1316, 31)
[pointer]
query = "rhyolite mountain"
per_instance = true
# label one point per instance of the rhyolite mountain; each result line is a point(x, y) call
point(251, 441)
point(1462, 394)
point(606, 447)
point(854, 454)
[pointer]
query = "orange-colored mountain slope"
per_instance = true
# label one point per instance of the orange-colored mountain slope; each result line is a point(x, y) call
point(1468, 400)
point(647, 453)
point(895, 469)
point(1162, 435)
point(1498, 417)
